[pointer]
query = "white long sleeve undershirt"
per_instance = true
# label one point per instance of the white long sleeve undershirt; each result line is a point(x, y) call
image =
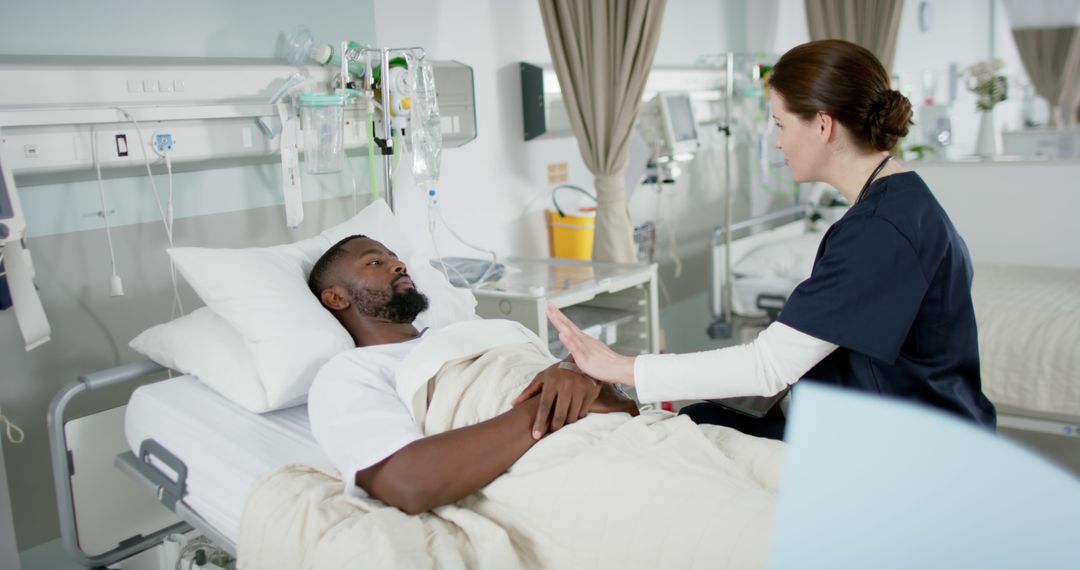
point(778, 357)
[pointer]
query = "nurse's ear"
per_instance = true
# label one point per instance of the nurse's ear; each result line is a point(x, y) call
point(825, 126)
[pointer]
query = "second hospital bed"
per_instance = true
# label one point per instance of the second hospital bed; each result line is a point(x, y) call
point(1028, 317)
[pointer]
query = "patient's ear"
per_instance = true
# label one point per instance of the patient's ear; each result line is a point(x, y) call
point(335, 299)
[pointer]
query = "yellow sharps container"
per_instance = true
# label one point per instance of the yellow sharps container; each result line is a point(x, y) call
point(571, 230)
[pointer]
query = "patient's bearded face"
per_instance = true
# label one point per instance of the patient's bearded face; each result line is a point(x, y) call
point(392, 304)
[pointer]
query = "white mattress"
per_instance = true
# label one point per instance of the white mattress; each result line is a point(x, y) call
point(226, 448)
point(1029, 336)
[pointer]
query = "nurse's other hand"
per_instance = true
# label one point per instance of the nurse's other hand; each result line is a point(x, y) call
point(593, 357)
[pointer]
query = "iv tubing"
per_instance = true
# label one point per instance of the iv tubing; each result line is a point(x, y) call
point(388, 175)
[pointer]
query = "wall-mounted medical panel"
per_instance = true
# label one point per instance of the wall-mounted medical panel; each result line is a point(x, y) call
point(210, 106)
point(545, 111)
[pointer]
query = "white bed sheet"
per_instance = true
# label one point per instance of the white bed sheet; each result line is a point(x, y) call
point(775, 267)
point(226, 448)
point(1029, 336)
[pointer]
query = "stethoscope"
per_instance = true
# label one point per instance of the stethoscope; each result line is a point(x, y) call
point(872, 176)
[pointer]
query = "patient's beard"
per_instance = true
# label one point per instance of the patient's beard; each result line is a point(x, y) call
point(391, 305)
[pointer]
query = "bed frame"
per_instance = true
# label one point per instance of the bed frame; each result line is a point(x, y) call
point(1037, 422)
point(169, 488)
point(725, 251)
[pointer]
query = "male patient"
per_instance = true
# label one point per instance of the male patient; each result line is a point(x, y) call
point(366, 428)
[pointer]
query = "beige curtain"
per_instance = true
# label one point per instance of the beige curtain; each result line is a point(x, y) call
point(873, 24)
point(602, 51)
point(1051, 58)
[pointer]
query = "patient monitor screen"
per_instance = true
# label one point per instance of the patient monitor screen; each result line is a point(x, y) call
point(682, 118)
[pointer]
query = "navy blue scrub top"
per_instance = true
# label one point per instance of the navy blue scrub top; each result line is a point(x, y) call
point(891, 286)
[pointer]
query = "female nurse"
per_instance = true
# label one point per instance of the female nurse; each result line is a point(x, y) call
point(887, 308)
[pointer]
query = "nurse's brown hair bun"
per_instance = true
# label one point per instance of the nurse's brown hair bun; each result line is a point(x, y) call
point(888, 120)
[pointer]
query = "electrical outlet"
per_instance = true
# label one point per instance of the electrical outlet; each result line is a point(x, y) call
point(163, 142)
point(557, 173)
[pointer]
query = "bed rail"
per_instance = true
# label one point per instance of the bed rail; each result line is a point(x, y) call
point(63, 469)
point(170, 489)
point(720, 276)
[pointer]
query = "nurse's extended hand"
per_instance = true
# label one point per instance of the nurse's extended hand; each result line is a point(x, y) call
point(591, 355)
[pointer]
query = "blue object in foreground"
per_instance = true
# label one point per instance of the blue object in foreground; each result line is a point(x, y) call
point(879, 483)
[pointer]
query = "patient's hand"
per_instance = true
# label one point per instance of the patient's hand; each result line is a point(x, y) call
point(612, 400)
point(565, 396)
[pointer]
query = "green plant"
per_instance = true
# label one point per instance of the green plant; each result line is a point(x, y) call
point(984, 81)
point(920, 151)
point(914, 151)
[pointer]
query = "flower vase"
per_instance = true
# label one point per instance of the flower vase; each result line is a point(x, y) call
point(986, 145)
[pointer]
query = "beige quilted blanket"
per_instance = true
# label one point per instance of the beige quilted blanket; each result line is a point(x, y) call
point(609, 491)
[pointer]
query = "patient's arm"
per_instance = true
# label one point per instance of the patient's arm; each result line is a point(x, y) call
point(443, 468)
point(566, 395)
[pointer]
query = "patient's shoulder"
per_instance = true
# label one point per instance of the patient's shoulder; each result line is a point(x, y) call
point(373, 366)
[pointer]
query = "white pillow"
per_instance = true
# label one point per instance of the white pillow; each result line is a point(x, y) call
point(204, 345)
point(263, 294)
point(791, 259)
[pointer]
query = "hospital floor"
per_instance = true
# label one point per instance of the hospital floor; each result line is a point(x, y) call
point(1065, 451)
point(51, 556)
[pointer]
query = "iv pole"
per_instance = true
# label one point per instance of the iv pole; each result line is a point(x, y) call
point(387, 144)
point(388, 150)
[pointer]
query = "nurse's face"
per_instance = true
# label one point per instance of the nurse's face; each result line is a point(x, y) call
point(802, 141)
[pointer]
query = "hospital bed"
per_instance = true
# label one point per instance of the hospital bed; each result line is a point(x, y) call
point(754, 265)
point(1028, 317)
point(1029, 331)
point(199, 453)
point(205, 458)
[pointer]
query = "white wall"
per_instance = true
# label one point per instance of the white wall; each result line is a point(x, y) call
point(791, 27)
point(1016, 213)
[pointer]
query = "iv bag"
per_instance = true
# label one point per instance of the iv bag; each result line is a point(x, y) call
point(426, 127)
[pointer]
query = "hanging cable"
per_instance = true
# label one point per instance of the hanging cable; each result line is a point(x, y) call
point(14, 433)
point(355, 190)
point(166, 215)
point(116, 285)
point(178, 304)
point(494, 258)
point(149, 172)
point(671, 229)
